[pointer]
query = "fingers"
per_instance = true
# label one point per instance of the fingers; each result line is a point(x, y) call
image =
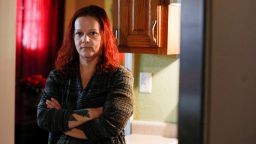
point(99, 109)
point(53, 103)
point(56, 103)
point(49, 104)
point(96, 112)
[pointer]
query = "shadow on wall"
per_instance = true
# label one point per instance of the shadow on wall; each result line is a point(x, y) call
point(153, 63)
point(172, 116)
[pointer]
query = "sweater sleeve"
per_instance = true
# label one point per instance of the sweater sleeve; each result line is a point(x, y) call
point(117, 109)
point(51, 119)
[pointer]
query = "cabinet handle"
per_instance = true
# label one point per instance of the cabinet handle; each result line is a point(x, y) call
point(116, 33)
point(153, 30)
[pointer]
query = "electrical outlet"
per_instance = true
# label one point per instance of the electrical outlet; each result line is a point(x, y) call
point(145, 84)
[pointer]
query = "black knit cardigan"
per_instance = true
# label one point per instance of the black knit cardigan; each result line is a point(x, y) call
point(113, 90)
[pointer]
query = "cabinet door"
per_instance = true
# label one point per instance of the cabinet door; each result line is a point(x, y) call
point(140, 25)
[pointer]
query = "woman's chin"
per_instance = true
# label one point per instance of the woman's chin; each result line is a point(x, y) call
point(87, 55)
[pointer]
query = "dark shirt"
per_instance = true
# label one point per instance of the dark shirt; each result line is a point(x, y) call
point(113, 90)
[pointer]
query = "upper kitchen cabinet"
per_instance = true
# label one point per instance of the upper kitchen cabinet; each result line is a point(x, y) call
point(141, 26)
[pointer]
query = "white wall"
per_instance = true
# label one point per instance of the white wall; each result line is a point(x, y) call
point(7, 70)
point(231, 76)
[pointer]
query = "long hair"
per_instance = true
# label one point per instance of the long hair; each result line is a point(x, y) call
point(109, 58)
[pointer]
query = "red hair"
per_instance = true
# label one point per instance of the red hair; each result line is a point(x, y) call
point(109, 58)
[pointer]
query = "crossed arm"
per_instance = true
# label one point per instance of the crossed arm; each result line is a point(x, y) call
point(90, 123)
point(77, 118)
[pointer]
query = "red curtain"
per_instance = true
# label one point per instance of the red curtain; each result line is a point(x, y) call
point(39, 32)
point(38, 35)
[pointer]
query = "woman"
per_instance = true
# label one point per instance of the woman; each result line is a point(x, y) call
point(88, 97)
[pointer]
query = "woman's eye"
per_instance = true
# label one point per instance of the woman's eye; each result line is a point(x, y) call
point(78, 33)
point(93, 33)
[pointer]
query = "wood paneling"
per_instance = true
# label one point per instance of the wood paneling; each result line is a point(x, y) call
point(141, 26)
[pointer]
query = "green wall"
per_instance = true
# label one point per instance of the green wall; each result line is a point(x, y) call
point(161, 104)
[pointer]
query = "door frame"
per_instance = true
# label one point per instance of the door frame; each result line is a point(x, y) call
point(191, 91)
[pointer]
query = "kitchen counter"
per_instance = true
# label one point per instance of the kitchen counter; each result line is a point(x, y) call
point(149, 139)
point(149, 132)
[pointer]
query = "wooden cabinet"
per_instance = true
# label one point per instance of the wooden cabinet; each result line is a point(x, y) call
point(141, 26)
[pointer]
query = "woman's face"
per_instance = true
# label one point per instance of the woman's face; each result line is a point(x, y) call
point(88, 37)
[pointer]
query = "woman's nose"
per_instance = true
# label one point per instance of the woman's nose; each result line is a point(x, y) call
point(85, 38)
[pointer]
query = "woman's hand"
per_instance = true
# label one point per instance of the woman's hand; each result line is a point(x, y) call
point(76, 133)
point(92, 112)
point(53, 103)
point(95, 112)
point(79, 116)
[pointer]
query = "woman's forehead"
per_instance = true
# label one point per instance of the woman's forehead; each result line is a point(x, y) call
point(86, 22)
